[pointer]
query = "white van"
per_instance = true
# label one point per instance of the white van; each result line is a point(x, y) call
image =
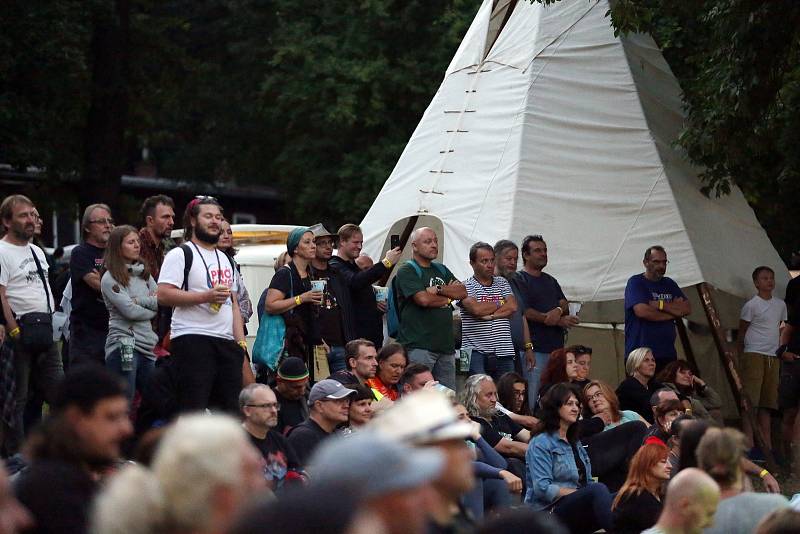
point(259, 245)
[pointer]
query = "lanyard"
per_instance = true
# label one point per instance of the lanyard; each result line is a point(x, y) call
point(208, 274)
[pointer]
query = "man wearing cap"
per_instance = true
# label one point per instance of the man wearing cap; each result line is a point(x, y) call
point(290, 390)
point(391, 480)
point(335, 318)
point(426, 291)
point(260, 409)
point(369, 319)
point(427, 419)
point(329, 401)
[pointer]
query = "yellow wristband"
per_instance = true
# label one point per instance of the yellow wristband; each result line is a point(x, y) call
point(387, 263)
point(242, 344)
point(763, 473)
point(660, 304)
point(298, 300)
point(528, 346)
point(14, 333)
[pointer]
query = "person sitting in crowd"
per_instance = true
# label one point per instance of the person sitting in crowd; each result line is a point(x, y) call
point(329, 401)
point(129, 292)
point(561, 368)
point(399, 502)
point(634, 392)
point(512, 400)
point(583, 359)
point(225, 244)
point(291, 384)
point(508, 438)
point(427, 419)
point(637, 505)
point(689, 506)
point(392, 361)
point(361, 408)
point(664, 414)
point(559, 472)
point(203, 473)
point(611, 436)
point(361, 360)
point(80, 440)
point(678, 425)
point(289, 294)
point(415, 377)
point(696, 395)
point(260, 408)
point(719, 454)
point(494, 483)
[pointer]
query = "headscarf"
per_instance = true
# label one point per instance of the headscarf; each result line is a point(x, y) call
point(294, 238)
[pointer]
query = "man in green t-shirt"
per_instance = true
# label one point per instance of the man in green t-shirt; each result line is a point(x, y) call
point(425, 294)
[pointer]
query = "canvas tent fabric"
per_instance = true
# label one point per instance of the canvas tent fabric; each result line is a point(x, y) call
point(565, 130)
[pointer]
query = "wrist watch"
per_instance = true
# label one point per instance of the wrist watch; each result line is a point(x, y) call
point(438, 290)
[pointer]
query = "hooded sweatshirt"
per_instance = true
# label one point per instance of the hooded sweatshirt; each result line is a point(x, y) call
point(130, 309)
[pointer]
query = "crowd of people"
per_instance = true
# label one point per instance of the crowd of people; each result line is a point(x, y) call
point(147, 413)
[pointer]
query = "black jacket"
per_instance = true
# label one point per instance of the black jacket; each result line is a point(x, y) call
point(367, 319)
point(342, 292)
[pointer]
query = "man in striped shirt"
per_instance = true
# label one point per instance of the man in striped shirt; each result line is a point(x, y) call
point(485, 324)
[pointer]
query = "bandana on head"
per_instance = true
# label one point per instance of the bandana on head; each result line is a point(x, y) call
point(294, 238)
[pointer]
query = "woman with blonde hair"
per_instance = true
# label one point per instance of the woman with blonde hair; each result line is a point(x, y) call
point(634, 392)
point(637, 505)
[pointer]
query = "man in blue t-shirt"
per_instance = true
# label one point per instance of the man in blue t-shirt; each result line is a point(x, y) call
point(652, 303)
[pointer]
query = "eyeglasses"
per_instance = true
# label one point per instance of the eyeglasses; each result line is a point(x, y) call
point(109, 221)
point(205, 197)
point(580, 349)
point(597, 395)
point(267, 405)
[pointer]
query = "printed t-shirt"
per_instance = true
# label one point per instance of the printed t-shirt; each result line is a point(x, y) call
point(424, 328)
point(18, 274)
point(658, 335)
point(88, 306)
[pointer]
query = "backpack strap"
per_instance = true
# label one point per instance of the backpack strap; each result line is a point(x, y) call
point(188, 258)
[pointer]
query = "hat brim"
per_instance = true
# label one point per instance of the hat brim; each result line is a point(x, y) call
point(455, 430)
point(423, 466)
point(342, 393)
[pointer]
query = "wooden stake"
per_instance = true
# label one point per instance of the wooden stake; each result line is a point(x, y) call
point(412, 221)
point(687, 346)
point(727, 357)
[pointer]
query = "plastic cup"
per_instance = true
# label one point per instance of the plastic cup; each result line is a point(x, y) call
point(318, 285)
point(575, 308)
point(381, 293)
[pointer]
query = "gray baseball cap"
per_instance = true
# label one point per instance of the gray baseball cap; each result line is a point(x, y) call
point(374, 464)
point(328, 389)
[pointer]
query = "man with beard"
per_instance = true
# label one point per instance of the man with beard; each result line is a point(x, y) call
point(260, 408)
point(479, 397)
point(88, 321)
point(206, 335)
point(158, 214)
point(368, 322)
point(24, 290)
point(652, 304)
point(71, 450)
point(426, 291)
point(506, 256)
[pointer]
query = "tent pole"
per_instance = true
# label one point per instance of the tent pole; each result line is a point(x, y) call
point(687, 346)
point(412, 221)
point(728, 359)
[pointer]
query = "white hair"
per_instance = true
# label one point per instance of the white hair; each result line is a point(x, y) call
point(197, 455)
point(131, 503)
point(415, 234)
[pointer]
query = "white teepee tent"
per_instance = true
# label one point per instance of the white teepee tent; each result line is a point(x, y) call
point(565, 130)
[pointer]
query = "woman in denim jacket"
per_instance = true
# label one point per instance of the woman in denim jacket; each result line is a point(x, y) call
point(559, 474)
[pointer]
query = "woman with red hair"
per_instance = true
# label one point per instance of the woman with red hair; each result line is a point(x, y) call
point(562, 367)
point(638, 502)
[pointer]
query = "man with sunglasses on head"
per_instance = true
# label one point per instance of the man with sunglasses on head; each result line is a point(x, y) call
point(652, 304)
point(88, 321)
point(545, 308)
point(206, 334)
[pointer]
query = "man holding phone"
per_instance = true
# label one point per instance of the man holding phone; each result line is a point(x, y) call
point(426, 291)
point(368, 317)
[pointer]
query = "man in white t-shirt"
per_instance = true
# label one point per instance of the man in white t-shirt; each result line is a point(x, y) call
point(485, 323)
point(24, 290)
point(758, 342)
point(207, 339)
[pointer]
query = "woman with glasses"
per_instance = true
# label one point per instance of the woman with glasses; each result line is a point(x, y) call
point(634, 392)
point(225, 244)
point(697, 396)
point(558, 469)
point(611, 435)
point(129, 293)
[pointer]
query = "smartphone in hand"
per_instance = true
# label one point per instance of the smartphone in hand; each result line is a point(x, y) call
point(394, 241)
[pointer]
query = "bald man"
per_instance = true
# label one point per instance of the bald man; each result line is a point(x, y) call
point(425, 292)
point(692, 498)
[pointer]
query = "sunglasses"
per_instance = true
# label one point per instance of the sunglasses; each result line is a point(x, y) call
point(580, 349)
